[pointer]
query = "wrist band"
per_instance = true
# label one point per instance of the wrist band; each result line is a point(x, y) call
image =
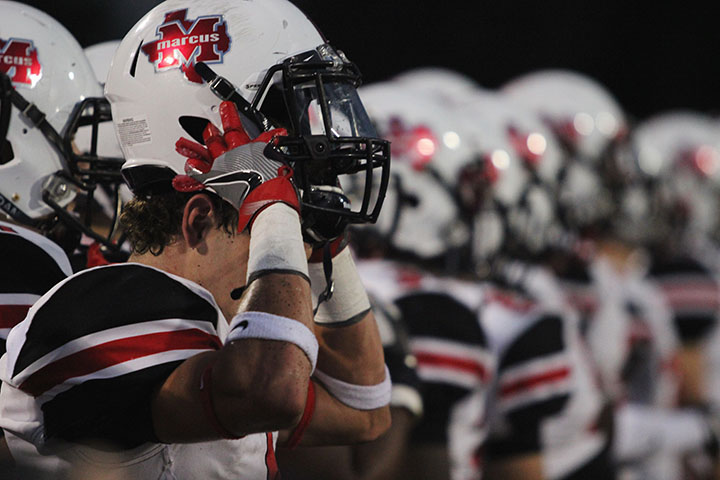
point(306, 417)
point(276, 243)
point(274, 327)
point(349, 301)
point(360, 397)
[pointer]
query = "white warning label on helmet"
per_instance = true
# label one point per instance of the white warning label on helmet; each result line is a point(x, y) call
point(134, 131)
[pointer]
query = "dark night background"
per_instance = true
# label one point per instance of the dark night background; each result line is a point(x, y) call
point(653, 57)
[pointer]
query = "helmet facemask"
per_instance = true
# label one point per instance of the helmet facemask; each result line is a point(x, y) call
point(313, 95)
point(72, 187)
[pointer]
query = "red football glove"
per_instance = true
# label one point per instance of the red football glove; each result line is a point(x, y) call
point(279, 189)
point(200, 160)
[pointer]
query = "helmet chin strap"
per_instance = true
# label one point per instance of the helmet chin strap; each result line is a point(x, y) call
point(225, 90)
point(37, 118)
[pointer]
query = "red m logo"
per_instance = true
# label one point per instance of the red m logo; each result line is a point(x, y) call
point(18, 59)
point(183, 42)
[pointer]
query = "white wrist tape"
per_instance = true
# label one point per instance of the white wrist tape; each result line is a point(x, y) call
point(276, 243)
point(404, 396)
point(274, 327)
point(360, 397)
point(349, 301)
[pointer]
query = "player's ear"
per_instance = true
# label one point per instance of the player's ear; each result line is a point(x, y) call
point(198, 219)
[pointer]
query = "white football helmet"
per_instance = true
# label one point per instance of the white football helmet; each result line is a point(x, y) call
point(105, 143)
point(449, 86)
point(100, 56)
point(678, 152)
point(591, 125)
point(421, 215)
point(48, 91)
point(523, 199)
point(183, 58)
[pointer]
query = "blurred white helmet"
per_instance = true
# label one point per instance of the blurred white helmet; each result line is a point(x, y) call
point(590, 124)
point(678, 152)
point(581, 111)
point(519, 217)
point(421, 214)
point(48, 90)
point(100, 56)
point(449, 86)
point(183, 58)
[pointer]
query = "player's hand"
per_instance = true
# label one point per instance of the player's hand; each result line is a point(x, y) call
point(233, 151)
point(200, 158)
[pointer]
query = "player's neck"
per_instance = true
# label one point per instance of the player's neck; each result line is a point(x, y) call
point(172, 259)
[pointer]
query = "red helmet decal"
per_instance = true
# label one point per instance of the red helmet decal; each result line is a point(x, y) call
point(182, 43)
point(418, 143)
point(19, 61)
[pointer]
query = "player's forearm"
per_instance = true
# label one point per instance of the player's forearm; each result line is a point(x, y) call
point(287, 295)
point(354, 353)
point(345, 326)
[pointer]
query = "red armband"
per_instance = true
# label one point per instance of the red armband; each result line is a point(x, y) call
point(206, 399)
point(305, 420)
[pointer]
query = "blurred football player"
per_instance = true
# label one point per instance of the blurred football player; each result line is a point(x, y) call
point(627, 321)
point(412, 258)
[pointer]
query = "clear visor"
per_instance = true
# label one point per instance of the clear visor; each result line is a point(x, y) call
point(336, 111)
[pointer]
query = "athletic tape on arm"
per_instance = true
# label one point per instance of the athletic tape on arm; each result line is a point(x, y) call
point(349, 301)
point(276, 243)
point(360, 397)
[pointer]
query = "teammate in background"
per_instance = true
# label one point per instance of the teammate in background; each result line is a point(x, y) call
point(677, 154)
point(544, 397)
point(106, 144)
point(627, 321)
point(48, 183)
point(412, 259)
point(193, 359)
point(45, 188)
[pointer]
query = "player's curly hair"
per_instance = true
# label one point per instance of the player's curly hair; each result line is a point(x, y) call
point(152, 223)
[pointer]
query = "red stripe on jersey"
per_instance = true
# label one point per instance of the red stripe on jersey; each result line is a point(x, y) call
point(270, 460)
point(692, 294)
point(11, 315)
point(465, 365)
point(533, 381)
point(115, 352)
point(511, 301)
point(7, 229)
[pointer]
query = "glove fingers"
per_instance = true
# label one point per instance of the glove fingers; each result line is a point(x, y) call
point(188, 148)
point(198, 157)
point(235, 135)
point(214, 140)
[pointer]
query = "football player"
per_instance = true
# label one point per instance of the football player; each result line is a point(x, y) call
point(544, 397)
point(627, 321)
point(47, 89)
point(412, 258)
point(677, 153)
point(196, 357)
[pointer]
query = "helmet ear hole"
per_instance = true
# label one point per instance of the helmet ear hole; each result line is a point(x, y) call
point(194, 127)
point(133, 66)
point(6, 152)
